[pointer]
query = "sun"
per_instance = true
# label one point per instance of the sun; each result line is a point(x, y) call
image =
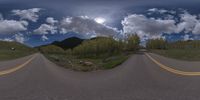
point(100, 20)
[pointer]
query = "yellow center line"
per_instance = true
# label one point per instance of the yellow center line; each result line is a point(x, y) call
point(8, 71)
point(170, 69)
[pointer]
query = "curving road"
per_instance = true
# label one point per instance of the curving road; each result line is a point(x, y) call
point(139, 78)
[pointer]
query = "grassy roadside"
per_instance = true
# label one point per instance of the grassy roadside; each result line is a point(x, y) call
point(13, 50)
point(74, 63)
point(181, 54)
point(9, 55)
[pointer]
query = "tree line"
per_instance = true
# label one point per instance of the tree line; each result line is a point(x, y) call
point(106, 46)
point(163, 44)
point(98, 46)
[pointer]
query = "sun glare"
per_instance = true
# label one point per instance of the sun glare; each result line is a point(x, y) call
point(100, 20)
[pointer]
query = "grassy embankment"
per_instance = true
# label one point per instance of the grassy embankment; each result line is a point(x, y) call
point(19, 50)
point(183, 50)
point(182, 54)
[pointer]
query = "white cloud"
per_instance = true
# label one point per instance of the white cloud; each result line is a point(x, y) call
point(29, 14)
point(188, 22)
point(12, 26)
point(7, 39)
point(46, 29)
point(86, 26)
point(153, 9)
point(156, 37)
point(169, 17)
point(44, 38)
point(167, 23)
point(140, 24)
point(51, 20)
point(19, 38)
point(196, 29)
point(161, 11)
point(187, 37)
point(172, 12)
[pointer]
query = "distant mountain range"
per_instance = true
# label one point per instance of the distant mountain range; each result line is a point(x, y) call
point(68, 43)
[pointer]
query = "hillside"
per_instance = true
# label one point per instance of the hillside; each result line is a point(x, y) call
point(70, 43)
point(12, 50)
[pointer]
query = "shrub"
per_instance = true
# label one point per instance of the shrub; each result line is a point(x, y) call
point(97, 47)
point(133, 42)
point(51, 49)
point(156, 44)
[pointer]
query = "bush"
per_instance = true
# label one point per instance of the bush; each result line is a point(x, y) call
point(133, 42)
point(98, 47)
point(51, 49)
point(156, 44)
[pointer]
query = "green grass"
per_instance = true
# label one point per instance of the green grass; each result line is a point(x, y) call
point(20, 50)
point(182, 54)
point(9, 55)
point(115, 62)
point(99, 63)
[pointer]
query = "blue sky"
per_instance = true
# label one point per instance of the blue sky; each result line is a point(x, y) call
point(38, 22)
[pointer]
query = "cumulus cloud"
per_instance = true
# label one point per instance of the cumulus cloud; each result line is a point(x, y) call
point(50, 28)
point(157, 37)
point(7, 39)
point(51, 20)
point(12, 26)
point(196, 29)
point(169, 17)
point(44, 38)
point(161, 11)
point(158, 10)
point(86, 26)
point(187, 37)
point(154, 26)
point(188, 22)
point(140, 24)
point(19, 38)
point(46, 29)
point(152, 10)
point(28, 14)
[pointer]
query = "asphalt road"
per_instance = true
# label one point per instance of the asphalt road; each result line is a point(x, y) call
point(139, 78)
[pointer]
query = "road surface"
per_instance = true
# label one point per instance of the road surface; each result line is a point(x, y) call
point(141, 77)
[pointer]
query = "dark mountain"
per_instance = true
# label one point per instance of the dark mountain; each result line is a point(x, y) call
point(68, 43)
